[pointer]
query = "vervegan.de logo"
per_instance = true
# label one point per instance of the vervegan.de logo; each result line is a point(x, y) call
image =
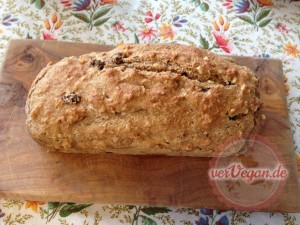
point(236, 171)
point(251, 180)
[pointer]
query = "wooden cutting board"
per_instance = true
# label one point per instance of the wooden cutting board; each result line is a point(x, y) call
point(28, 171)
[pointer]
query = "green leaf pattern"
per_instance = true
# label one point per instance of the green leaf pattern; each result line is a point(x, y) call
point(39, 4)
point(147, 221)
point(68, 209)
point(99, 22)
point(264, 22)
point(101, 12)
point(83, 17)
point(203, 42)
point(262, 14)
point(247, 19)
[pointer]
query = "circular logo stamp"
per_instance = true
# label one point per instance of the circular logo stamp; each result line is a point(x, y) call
point(251, 179)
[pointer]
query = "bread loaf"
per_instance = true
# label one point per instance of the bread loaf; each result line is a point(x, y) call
point(164, 99)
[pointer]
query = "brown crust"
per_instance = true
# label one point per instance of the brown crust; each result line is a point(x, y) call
point(143, 99)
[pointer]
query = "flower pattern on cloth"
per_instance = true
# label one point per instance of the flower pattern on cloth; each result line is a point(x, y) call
point(166, 31)
point(262, 28)
point(33, 205)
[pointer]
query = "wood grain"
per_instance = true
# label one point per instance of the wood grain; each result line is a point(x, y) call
point(28, 171)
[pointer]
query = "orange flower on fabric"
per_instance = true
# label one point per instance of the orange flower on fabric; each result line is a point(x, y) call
point(47, 24)
point(216, 26)
point(1, 31)
point(166, 31)
point(55, 24)
point(265, 2)
point(54, 18)
point(291, 49)
point(221, 20)
point(226, 27)
point(109, 1)
point(58, 25)
point(34, 205)
point(220, 25)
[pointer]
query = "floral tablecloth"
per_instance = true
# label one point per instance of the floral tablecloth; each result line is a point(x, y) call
point(263, 28)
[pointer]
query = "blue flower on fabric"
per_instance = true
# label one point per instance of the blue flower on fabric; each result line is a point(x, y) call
point(264, 55)
point(80, 5)
point(7, 20)
point(202, 221)
point(242, 6)
point(206, 212)
point(177, 22)
point(223, 221)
